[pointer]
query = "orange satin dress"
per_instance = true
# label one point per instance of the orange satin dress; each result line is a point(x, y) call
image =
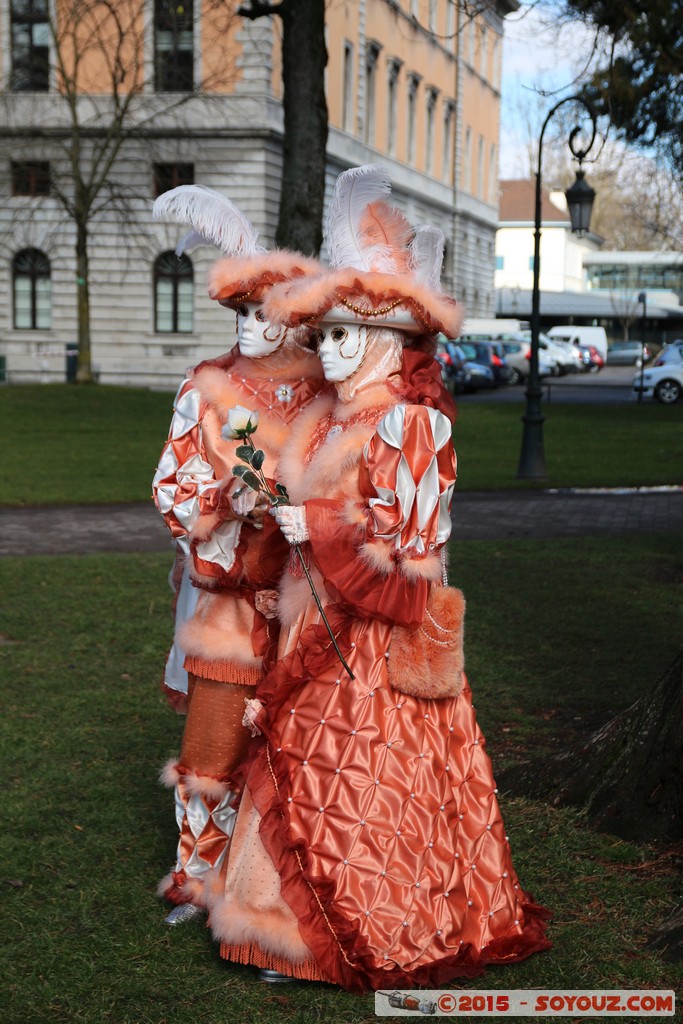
point(378, 810)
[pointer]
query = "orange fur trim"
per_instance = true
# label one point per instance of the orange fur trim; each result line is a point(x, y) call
point(378, 555)
point(310, 299)
point(232, 923)
point(220, 630)
point(291, 460)
point(427, 568)
point(333, 461)
point(169, 775)
point(429, 661)
point(240, 278)
point(217, 387)
point(205, 525)
point(295, 595)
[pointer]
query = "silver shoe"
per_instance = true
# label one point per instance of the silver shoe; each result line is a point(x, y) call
point(182, 913)
point(272, 977)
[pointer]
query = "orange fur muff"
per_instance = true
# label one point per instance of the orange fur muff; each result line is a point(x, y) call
point(429, 661)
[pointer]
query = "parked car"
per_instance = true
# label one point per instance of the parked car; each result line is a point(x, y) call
point(518, 357)
point(459, 370)
point(491, 354)
point(671, 354)
point(565, 353)
point(591, 358)
point(627, 353)
point(664, 382)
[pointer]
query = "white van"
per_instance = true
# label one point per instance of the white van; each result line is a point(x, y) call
point(473, 328)
point(577, 335)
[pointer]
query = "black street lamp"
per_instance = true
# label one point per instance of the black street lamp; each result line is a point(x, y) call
point(642, 298)
point(580, 198)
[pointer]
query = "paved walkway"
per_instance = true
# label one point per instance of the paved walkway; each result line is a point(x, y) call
point(83, 529)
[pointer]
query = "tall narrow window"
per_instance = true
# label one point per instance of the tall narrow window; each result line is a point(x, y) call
point(168, 176)
point(429, 134)
point(467, 161)
point(32, 290)
point(413, 84)
point(471, 40)
point(450, 25)
point(30, 34)
point(484, 51)
point(432, 15)
point(495, 75)
point(493, 174)
point(393, 68)
point(349, 91)
point(30, 178)
point(371, 58)
point(447, 163)
point(173, 45)
point(480, 167)
point(173, 294)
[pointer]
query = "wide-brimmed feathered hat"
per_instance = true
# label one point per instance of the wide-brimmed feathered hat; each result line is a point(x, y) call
point(382, 272)
point(248, 271)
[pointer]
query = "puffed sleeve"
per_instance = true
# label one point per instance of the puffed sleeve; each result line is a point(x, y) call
point(382, 565)
point(184, 485)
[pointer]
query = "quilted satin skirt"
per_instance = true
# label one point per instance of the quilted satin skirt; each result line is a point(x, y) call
point(375, 817)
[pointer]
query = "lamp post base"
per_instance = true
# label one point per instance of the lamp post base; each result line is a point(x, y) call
point(532, 457)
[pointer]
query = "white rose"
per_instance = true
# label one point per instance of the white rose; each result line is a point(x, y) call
point(239, 419)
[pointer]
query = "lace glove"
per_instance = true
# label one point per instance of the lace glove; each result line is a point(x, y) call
point(244, 502)
point(292, 521)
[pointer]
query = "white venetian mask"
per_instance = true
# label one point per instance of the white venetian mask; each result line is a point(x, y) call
point(255, 337)
point(342, 349)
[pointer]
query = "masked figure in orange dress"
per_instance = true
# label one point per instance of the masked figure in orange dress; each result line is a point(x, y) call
point(235, 555)
point(369, 848)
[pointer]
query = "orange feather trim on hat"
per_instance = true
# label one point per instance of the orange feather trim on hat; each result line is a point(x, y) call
point(380, 299)
point(237, 279)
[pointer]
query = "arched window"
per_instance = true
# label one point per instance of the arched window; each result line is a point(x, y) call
point(32, 290)
point(173, 294)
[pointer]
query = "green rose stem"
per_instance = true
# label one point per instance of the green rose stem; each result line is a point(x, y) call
point(253, 476)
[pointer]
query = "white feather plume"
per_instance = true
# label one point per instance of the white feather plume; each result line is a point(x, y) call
point(354, 191)
point(213, 217)
point(426, 255)
point(190, 241)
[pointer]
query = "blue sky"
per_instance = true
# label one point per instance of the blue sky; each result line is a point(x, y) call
point(536, 55)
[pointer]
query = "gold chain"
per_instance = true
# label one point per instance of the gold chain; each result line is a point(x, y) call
point(361, 311)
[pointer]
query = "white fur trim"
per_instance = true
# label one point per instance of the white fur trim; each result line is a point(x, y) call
point(169, 775)
point(204, 785)
point(165, 884)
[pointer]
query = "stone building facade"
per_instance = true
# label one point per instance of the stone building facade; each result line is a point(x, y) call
point(413, 84)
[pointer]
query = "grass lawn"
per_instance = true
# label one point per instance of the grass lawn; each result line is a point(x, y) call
point(101, 444)
point(554, 631)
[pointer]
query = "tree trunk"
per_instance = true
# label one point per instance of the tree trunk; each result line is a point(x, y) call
point(84, 371)
point(304, 56)
point(628, 774)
